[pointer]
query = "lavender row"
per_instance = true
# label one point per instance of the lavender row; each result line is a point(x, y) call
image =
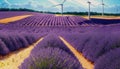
point(52, 40)
point(105, 21)
point(42, 20)
point(93, 44)
point(12, 41)
point(110, 60)
point(51, 53)
point(50, 58)
point(58, 30)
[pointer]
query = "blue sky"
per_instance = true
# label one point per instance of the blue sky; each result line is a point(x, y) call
point(112, 6)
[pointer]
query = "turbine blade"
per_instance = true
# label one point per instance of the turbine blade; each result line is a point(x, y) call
point(105, 5)
point(56, 5)
point(64, 1)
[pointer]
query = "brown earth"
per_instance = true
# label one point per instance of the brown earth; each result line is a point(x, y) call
point(86, 64)
point(12, 19)
point(15, 59)
point(103, 17)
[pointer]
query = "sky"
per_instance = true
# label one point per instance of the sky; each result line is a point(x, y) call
point(111, 6)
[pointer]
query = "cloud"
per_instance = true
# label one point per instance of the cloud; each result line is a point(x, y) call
point(55, 3)
point(30, 4)
point(34, 3)
point(83, 3)
point(70, 5)
point(74, 9)
point(115, 9)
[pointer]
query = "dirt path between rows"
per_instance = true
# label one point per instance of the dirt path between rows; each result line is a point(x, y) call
point(83, 61)
point(15, 60)
point(12, 19)
point(103, 17)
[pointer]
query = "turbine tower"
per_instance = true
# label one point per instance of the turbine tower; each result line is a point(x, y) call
point(89, 3)
point(103, 8)
point(62, 6)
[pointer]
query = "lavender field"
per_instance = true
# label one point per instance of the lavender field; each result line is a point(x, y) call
point(96, 42)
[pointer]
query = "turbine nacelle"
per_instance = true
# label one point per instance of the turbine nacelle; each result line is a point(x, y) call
point(89, 2)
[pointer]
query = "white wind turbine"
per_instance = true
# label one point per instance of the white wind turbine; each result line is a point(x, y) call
point(62, 6)
point(89, 6)
point(103, 8)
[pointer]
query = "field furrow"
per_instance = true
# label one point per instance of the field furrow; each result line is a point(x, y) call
point(83, 61)
point(15, 60)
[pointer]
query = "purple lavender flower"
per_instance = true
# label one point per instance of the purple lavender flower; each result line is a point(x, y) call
point(110, 60)
point(50, 58)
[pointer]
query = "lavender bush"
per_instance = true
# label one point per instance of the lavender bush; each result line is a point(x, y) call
point(3, 49)
point(52, 41)
point(105, 21)
point(14, 41)
point(50, 58)
point(110, 60)
point(93, 44)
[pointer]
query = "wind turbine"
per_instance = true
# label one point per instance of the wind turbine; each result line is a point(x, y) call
point(89, 5)
point(103, 8)
point(62, 6)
